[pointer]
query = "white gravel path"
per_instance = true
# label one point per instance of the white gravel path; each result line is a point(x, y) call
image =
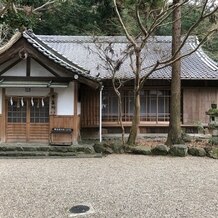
point(115, 186)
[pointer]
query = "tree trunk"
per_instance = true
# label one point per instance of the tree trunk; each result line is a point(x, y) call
point(174, 133)
point(137, 107)
point(120, 105)
point(135, 120)
point(120, 116)
point(121, 120)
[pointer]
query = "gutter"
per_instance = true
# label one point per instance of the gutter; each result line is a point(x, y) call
point(100, 113)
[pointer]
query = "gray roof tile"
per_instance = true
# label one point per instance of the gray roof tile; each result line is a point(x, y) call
point(55, 55)
point(81, 53)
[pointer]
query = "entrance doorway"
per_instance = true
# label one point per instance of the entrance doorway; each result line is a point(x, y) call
point(27, 119)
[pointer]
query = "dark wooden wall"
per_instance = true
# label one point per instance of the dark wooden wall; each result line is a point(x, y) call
point(89, 107)
point(196, 101)
point(2, 118)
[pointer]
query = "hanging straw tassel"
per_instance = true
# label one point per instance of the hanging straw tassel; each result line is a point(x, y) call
point(32, 102)
point(22, 102)
point(11, 101)
point(42, 101)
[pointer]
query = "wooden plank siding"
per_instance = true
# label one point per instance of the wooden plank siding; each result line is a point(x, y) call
point(2, 118)
point(16, 132)
point(38, 132)
point(196, 101)
point(1, 128)
point(62, 121)
point(89, 107)
point(21, 132)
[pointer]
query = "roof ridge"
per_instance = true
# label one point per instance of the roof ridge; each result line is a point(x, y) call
point(118, 39)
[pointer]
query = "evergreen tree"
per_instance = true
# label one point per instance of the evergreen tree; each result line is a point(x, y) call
point(80, 17)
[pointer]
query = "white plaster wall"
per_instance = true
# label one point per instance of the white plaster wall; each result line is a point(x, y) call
point(65, 100)
point(0, 101)
point(18, 70)
point(22, 93)
point(38, 70)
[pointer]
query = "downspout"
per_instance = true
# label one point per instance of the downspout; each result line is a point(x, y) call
point(100, 114)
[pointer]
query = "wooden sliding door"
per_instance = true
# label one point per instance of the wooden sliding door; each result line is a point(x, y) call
point(27, 119)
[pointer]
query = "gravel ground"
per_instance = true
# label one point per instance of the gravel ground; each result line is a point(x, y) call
point(115, 186)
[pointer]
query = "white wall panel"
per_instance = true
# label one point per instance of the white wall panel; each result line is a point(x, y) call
point(65, 100)
point(38, 70)
point(18, 70)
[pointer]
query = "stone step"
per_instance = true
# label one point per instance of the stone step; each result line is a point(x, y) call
point(22, 153)
point(61, 149)
point(33, 150)
point(31, 154)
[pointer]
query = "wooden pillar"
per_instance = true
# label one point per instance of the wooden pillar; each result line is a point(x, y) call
point(76, 125)
point(51, 116)
point(75, 98)
point(27, 120)
point(3, 117)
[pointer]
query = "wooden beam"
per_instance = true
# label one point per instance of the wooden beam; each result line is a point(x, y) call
point(10, 66)
point(28, 66)
point(43, 79)
point(44, 59)
point(41, 58)
point(27, 120)
point(5, 61)
point(75, 98)
point(3, 138)
point(13, 51)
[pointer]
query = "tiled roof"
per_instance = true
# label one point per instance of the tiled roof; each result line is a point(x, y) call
point(81, 53)
point(55, 55)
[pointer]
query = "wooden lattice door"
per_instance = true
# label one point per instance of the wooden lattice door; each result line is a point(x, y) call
point(27, 119)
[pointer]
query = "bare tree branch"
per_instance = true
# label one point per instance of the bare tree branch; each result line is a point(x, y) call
point(5, 8)
point(28, 9)
point(142, 27)
point(129, 37)
point(170, 61)
point(48, 3)
point(164, 15)
point(200, 19)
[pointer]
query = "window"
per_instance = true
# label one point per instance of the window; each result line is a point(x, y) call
point(39, 111)
point(110, 106)
point(128, 105)
point(22, 110)
point(154, 105)
point(16, 111)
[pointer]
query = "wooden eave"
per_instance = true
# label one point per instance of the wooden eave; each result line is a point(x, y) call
point(60, 73)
